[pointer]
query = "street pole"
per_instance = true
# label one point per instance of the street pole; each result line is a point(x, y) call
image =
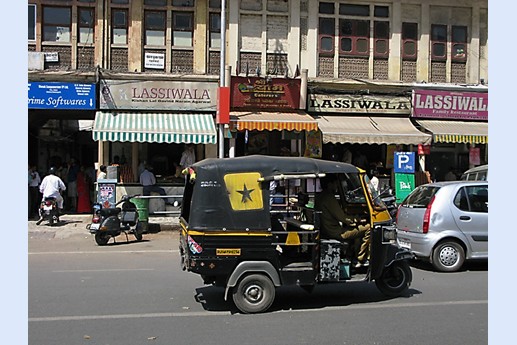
point(222, 71)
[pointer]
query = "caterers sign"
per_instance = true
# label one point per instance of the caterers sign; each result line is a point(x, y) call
point(365, 104)
point(154, 95)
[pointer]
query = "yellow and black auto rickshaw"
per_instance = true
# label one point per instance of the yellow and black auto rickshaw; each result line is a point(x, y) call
point(236, 233)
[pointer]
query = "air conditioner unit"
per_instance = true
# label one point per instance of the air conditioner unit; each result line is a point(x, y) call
point(36, 61)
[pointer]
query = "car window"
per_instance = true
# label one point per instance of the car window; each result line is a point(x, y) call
point(472, 199)
point(420, 197)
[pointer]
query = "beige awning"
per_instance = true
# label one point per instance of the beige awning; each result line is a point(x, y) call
point(457, 131)
point(270, 121)
point(370, 130)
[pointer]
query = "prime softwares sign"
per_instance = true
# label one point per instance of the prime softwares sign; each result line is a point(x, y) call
point(54, 95)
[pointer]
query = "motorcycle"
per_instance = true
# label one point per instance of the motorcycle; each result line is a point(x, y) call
point(390, 201)
point(111, 222)
point(48, 211)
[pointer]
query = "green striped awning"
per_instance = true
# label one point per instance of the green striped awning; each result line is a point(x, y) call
point(469, 132)
point(155, 127)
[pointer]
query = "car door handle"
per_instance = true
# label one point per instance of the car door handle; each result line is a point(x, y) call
point(464, 218)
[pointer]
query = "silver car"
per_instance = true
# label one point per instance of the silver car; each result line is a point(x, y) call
point(445, 223)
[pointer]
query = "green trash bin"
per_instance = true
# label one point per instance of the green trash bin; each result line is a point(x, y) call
point(142, 207)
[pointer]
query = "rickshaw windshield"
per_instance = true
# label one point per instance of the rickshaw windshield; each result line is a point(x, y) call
point(374, 194)
point(352, 189)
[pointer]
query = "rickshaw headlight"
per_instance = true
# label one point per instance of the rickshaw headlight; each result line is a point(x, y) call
point(389, 234)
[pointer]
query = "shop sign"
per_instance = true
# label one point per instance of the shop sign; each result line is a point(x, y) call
point(475, 156)
point(364, 104)
point(154, 60)
point(404, 162)
point(404, 184)
point(424, 149)
point(53, 95)
point(158, 95)
point(51, 56)
point(450, 105)
point(265, 93)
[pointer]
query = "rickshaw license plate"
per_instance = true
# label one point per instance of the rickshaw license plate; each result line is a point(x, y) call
point(94, 226)
point(47, 208)
point(404, 244)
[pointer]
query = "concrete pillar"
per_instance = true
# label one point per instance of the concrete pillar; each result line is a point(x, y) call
point(423, 57)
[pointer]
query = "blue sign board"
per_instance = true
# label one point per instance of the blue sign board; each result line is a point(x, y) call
point(54, 95)
point(404, 162)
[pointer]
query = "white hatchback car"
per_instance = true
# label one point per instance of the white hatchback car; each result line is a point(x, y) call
point(445, 223)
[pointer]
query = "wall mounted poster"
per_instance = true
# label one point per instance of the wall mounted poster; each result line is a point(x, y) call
point(313, 144)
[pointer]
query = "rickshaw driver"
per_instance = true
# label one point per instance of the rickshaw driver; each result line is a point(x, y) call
point(332, 216)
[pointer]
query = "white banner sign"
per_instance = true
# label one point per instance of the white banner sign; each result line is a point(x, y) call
point(164, 95)
point(369, 104)
point(154, 60)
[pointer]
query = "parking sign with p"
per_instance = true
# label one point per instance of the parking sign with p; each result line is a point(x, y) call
point(404, 162)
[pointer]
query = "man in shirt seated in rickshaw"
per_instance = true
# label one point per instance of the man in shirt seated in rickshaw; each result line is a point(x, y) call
point(335, 224)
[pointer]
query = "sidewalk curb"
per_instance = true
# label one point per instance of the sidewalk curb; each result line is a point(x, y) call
point(76, 224)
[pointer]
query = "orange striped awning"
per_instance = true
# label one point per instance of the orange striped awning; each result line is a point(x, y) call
point(272, 121)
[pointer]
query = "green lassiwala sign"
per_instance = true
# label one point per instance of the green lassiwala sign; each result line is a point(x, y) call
point(404, 184)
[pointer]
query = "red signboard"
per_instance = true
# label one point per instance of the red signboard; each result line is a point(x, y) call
point(223, 105)
point(265, 93)
point(450, 105)
point(475, 156)
point(424, 149)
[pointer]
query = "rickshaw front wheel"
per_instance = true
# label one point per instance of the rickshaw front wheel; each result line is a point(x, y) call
point(395, 279)
point(254, 293)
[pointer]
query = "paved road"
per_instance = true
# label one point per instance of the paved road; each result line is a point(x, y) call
point(135, 293)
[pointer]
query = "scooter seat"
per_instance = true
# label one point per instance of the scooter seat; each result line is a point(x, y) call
point(106, 212)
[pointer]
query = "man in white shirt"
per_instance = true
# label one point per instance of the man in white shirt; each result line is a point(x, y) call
point(188, 157)
point(51, 186)
point(148, 180)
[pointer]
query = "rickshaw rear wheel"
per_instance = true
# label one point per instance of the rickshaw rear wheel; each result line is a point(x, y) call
point(254, 293)
point(395, 279)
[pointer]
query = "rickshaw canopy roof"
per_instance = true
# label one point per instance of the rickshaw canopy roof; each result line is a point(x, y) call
point(234, 194)
point(274, 165)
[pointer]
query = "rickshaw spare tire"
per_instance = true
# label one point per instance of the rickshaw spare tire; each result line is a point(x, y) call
point(101, 238)
point(254, 293)
point(395, 279)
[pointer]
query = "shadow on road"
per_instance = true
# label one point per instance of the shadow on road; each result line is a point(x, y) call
point(296, 298)
point(473, 265)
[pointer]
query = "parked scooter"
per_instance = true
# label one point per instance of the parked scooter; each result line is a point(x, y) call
point(48, 211)
point(111, 222)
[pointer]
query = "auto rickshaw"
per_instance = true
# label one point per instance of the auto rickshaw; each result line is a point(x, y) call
point(234, 236)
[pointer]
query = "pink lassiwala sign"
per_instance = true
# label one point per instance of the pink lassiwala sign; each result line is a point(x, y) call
point(450, 105)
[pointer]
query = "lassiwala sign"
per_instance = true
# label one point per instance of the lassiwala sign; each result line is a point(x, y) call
point(450, 105)
point(154, 95)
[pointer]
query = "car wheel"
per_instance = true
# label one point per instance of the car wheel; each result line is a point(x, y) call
point(102, 238)
point(395, 279)
point(448, 256)
point(254, 293)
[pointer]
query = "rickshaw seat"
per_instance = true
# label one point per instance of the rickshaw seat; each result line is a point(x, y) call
point(299, 224)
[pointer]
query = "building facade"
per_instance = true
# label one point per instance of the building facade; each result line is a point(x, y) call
point(359, 65)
